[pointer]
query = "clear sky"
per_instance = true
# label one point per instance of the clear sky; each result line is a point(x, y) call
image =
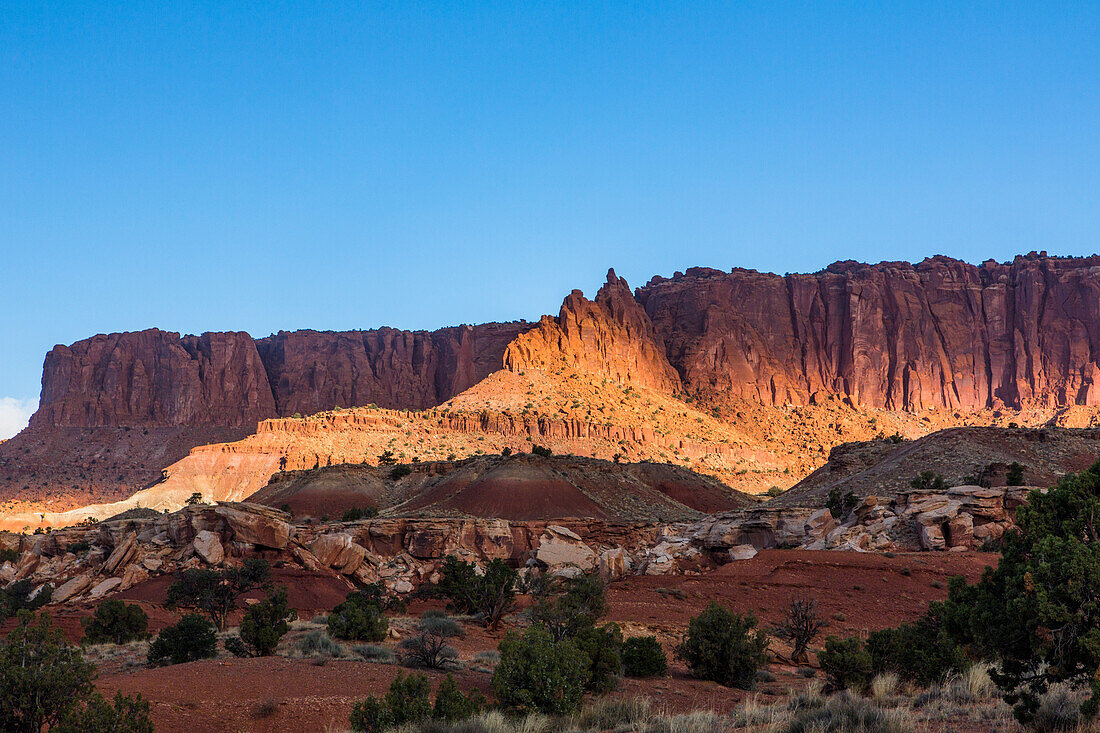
point(277, 165)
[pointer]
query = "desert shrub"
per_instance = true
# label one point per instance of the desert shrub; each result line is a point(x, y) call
point(399, 472)
point(921, 652)
point(428, 647)
point(195, 498)
point(451, 704)
point(928, 481)
point(845, 713)
point(407, 699)
point(236, 647)
point(602, 645)
point(375, 653)
point(720, 645)
point(538, 674)
point(42, 677)
point(356, 513)
point(773, 492)
point(1037, 611)
point(581, 602)
point(1015, 474)
point(386, 458)
point(644, 657)
point(846, 663)
point(542, 451)
point(839, 504)
point(357, 619)
point(216, 592)
point(375, 593)
point(23, 596)
point(79, 547)
point(317, 643)
point(800, 627)
point(370, 716)
point(193, 637)
point(10, 555)
point(491, 594)
point(115, 622)
point(123, 714)
point(265, 623)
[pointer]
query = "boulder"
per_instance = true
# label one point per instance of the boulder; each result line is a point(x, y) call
point(72, 588)
point(104, 587)
point(338, 551)
point(931, 537)
point(742, 552)
point(256, 524)
point(121, 556)
point(560, 547)
point(209, 547)
point(614, 564)
point(960, 531)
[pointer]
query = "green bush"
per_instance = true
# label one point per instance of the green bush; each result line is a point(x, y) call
point(400, 472)
point(839, 504)
point(928, 481)
point(357, 513)
point(1015, 474)
point(1036, 613)
point(266, 622)
point(644, 657)
point(10, 555)
point(44, 681)
point(407, 702)
point(720, 645)
point(216, 592)
point(115, 622)
point(123, 714)
point(846, 663)
point(452, 705)
point(582, 601)
point(491, 594)
point(921, 652)
point(23, 596)
point(194, 637)
point(538, 674)
point(602, 645)
point(542, 451)
point(357, 619)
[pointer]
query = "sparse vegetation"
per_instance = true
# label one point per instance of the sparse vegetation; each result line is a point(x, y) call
point(721, 645)
point(265, 623)
point(490, 595)
point(357, 513)
point(800, 627)
point(839, 505)
point(428, 647)
point(928, 481)
point(644, 657)
point(216, 592)
point(193, 637)
point(115, 622)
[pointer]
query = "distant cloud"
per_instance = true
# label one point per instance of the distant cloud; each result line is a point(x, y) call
point(14, 414)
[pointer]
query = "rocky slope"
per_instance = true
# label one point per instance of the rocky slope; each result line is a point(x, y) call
point(516, 487)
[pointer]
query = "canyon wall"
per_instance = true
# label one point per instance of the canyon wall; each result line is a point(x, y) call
point(938, 334)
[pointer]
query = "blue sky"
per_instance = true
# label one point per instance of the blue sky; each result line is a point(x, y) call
point(266, 166)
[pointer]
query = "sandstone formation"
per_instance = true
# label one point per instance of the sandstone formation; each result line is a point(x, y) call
point(938, 341)
point(941, 333)
point(610, 337)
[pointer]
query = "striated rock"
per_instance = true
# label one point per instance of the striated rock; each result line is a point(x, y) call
point(209, 547)
point(614, 564)
point(255, 523)
point(72, 588)
point(940, 333)
point(338, 551)
point(121, 556)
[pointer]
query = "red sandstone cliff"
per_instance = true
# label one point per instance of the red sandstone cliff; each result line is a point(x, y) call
point(941, 333)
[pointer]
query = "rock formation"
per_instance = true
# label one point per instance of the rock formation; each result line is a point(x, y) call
point(941, 333)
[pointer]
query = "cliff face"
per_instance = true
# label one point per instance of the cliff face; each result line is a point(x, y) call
point(941, 333)
point(155, 378)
